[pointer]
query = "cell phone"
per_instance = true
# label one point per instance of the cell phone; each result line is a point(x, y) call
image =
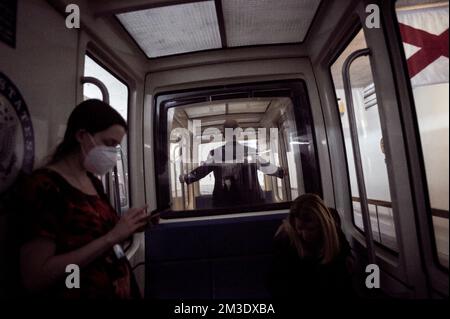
point(156, 214)
point(160, 210)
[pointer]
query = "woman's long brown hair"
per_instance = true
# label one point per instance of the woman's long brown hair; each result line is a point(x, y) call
point(312, 204)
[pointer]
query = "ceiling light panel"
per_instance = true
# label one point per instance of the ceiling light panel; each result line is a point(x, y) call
point(174, 29)
point(204, 111)
point(253, 22)
point(248, 107)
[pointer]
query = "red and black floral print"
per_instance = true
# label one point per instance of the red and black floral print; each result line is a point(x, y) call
point(54, 209)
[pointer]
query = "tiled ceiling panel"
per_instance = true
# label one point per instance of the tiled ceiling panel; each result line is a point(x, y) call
point(174, 29)
point(256, 22)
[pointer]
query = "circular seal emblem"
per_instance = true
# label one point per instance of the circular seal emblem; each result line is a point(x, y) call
point(16, 134)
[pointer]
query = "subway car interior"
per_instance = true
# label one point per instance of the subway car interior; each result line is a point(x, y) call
point(348, 98)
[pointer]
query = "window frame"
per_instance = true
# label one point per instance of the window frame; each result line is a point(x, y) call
point(417, 136)
point(298, 93)
point(92, 55)
point(358, 27)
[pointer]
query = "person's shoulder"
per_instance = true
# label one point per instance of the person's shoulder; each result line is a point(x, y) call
point(30, 190)
point(42, 179)
point(220, 148)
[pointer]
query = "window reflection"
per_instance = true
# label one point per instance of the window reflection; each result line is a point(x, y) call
point(240, 152)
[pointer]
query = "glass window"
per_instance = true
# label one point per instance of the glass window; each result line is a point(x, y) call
point(370, 140)
point(118, 99)
point(118, 91)
point(241, 153)
point(424, 31)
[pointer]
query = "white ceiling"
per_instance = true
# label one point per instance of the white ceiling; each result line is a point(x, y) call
point(256, 22)
point(174, 29)
point(247, 106)
point(407, 3)
point(246, 112)
point(197, 26)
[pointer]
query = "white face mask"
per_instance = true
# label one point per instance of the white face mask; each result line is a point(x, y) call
point(100, 159)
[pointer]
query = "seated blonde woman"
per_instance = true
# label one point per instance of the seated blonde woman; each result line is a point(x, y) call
point(311, 253)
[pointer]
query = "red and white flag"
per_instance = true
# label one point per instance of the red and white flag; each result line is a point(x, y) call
point(425, 38)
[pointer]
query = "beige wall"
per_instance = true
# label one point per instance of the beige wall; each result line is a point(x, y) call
point(44, 47)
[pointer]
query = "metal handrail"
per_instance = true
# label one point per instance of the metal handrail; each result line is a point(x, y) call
point(117, 191)
point(434, 211)
point(99, 84)
point(183, 191)
point(357, 151)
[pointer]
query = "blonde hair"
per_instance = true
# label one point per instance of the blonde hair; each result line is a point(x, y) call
point(312, 204)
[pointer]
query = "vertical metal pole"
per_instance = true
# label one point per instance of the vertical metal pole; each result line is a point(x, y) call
point(175, 172)
point(378, 223)
point(183, 194)
point(357, 152)
point(117, 191)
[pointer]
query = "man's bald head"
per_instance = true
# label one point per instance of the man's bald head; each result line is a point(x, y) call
point(231, 124)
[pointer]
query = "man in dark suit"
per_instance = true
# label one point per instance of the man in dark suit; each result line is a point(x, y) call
point(235, 172)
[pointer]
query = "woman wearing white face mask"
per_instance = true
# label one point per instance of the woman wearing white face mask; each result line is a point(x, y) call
point(67, 218)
